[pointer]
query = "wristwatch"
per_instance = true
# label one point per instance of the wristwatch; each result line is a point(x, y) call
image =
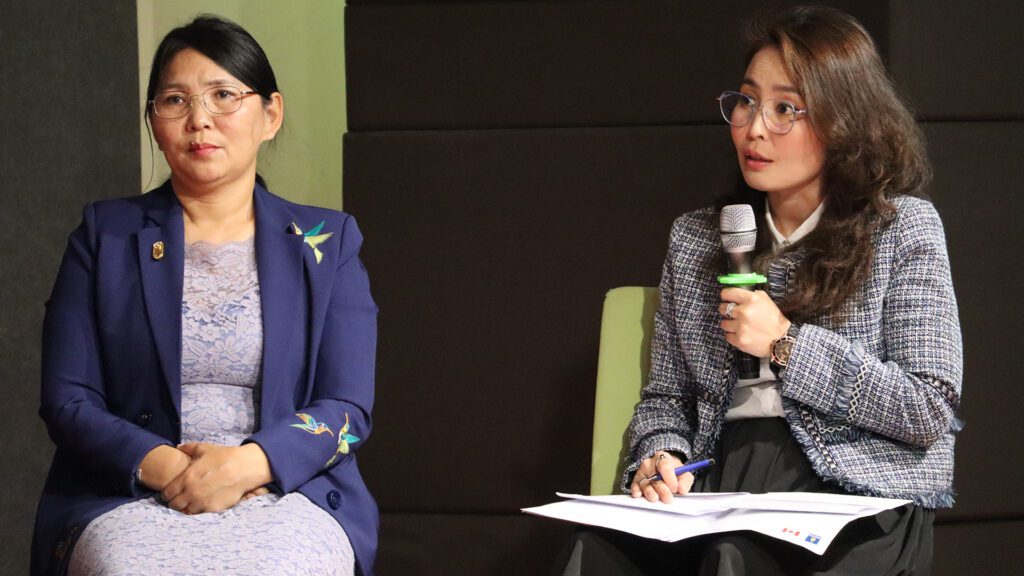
point(782, 348)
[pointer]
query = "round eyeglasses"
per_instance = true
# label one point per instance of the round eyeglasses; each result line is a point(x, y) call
point(779, 115)
point(218, 100)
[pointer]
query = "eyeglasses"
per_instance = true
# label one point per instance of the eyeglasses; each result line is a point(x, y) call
point(218, 100)
point(779, 115)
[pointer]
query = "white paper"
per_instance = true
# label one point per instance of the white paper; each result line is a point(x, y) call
point(809, 520)
point(701, 502)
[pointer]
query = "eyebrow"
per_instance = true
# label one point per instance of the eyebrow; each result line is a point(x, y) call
point(777, 87)
point(208, 83)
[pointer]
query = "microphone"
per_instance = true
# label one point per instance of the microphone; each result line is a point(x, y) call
point(739, 236)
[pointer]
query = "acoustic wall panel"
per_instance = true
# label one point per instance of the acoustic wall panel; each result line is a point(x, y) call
point(472, 544)
point(490, 253)
point(538, 64)
point(976, 191)
point(70, 132)
point(959, 60)
point(990, 548)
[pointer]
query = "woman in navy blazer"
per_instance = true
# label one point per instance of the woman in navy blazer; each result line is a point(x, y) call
point(112, 345)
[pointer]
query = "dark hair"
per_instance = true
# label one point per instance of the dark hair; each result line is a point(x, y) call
point(224, 42)
point(874, 151)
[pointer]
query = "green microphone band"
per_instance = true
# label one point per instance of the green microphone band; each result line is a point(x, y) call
point(742, 279)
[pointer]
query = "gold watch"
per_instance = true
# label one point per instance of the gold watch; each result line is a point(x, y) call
point(782, 348)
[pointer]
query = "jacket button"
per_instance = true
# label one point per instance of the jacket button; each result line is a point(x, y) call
point(334, 499)
point(145, 419)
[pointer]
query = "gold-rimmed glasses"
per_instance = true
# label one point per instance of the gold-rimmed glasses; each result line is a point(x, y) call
point(217, 100)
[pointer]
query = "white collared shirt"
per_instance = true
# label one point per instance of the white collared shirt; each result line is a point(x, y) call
point(760, 397)
point(805, 228)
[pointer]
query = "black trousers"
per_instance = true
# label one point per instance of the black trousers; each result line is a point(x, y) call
point(759, 455)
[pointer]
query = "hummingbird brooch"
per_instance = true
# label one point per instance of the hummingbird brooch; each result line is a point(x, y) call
point(314, 238)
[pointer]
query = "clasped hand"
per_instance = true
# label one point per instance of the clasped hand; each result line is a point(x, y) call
point(751, 320)
point(199, 477)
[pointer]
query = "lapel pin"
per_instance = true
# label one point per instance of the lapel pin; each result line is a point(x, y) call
point(314, 238)
point(158, 250)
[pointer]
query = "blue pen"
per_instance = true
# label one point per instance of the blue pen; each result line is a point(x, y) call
point(688, 468)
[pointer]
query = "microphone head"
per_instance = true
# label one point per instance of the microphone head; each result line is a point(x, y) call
point(738, 228)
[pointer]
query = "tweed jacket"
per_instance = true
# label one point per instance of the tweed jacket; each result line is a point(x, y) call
point(111, 378)
point(872, 400)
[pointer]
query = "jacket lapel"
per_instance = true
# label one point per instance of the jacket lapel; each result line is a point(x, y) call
point(161, 252)
point(283, 296)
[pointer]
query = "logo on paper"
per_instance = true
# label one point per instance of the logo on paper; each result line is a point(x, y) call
point(812, 538)
point(793, 532)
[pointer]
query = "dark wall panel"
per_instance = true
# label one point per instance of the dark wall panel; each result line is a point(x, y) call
point(979, 549)
point(471, 544)
point(975, 191)
point(959, 60)
point(69, 134)
point(528, 64)
point(491, 252)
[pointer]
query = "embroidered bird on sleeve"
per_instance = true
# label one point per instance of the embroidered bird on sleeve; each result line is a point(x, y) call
point(309, 424)
point(314, 238)
point(344, 439)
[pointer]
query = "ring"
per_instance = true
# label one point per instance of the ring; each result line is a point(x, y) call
point(728, 310)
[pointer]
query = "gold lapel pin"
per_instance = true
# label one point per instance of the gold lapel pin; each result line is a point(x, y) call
point(158, 250)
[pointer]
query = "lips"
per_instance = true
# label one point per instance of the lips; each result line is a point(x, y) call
point(754, 160)
point(201, 148)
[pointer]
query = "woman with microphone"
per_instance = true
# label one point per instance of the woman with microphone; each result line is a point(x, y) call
point(856, 328)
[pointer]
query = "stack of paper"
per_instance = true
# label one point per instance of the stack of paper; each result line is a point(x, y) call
point(810, 520)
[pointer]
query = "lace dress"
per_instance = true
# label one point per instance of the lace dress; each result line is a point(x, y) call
point(222, 336)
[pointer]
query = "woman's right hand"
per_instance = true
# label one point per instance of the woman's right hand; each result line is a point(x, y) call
point(664, 464)
point(161, 465)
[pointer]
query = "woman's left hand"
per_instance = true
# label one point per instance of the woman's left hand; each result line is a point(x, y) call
point(756, 321)
point(217, 478)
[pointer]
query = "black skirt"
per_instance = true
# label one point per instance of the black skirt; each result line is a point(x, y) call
point(760, 455)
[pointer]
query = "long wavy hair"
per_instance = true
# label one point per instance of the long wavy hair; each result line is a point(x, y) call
point(874, 152)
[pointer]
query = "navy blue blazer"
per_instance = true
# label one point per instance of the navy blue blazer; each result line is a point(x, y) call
point(111, 378)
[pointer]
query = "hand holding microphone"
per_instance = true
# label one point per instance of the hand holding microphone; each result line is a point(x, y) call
point(751, 320)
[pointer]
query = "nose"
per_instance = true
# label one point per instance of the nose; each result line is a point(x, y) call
point(198, 117)
point(757, 127)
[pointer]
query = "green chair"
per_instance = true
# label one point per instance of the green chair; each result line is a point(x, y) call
point(627, 325)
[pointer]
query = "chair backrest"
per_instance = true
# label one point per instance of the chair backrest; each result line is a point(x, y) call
point(627, 324)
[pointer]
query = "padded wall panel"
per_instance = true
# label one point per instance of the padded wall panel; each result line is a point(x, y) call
point(979, 549)
point(959, 59)
point(490, 253)
point(455, 544)
point(70, 134)
point(976, 189)
point(570, 63)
